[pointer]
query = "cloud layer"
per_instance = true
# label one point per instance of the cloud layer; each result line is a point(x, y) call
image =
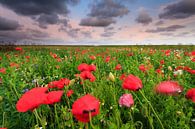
point(103, 12)
point(179, 10)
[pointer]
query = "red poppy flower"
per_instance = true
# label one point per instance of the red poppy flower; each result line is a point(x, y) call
point(130, 54)
point(168, 88)
point(3, 128)
point(85, 105)
point(132, 82)
point(53, 97)
point(193, 59)
point(69, 93)
point(142, 68)
point(92, 57)
point(123, 76)
point(162, 62)
point(27, 57)
point(107, 59)
point(126, 100)
point(85, 67)
point(167, 52)
point(191, 94)
point(87, 75)
point(92, 67)
point(193, 53)
point(118, 67)
point(32, 99)
point(12, 64)
point(18, 49)
point(159, 71)
point(191, 71)
point(3, 70)
point(59, 84)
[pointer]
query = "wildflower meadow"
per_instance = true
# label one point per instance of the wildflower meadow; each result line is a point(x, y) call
point(97, 87)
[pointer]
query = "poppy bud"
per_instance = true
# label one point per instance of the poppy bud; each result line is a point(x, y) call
point(72, 82)
point(1, 98)
point(170, 68)
point(111, 77)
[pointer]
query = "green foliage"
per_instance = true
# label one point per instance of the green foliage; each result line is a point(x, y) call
point(175, 112)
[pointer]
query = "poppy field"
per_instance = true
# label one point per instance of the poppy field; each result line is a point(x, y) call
point(97, 87)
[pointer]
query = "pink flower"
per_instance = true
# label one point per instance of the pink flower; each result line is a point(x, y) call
point(169, 88)
point(126, 100)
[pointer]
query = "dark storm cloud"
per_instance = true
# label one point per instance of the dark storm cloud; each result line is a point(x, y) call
point(144, 18)
point(97, 22)
point(45, 12)
point(108, 8)
point(45, 19)
point(6, 24)
point(103, 12)
point(24, 34)
point(165, 29)
point(179, 10)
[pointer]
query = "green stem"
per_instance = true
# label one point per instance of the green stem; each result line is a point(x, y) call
point(72, 123)
point(56, 115)
point(91, 124)
point(152, 109)
point(3, 124)
point(38, 118)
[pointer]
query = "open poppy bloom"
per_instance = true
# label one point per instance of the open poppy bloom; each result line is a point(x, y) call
point(118, 67)
point(18, 49)
point(59, 84)
point(142, 68)
point(3, 70)
point(191, 94)
point(168, 88)
point(132, 82)
point(69, 93)
point(85, 67)
point(37, 96)
point(87, 75)
point(32, 99)
point(85, 106)
point(126, 100)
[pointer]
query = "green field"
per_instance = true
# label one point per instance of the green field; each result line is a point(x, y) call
point(37, 66)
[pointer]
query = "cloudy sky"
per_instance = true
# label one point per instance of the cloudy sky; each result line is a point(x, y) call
point(98, 21)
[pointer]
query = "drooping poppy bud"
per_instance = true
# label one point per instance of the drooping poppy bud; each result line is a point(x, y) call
point(85, 106)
